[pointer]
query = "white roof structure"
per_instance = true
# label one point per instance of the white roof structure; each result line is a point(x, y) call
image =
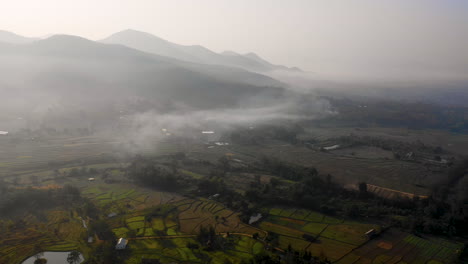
point(332, 147)
point(111, 214)
point(370, 232)
point(121, 244)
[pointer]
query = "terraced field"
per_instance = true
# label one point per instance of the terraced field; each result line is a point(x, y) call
point(61, 232)
point(175, 250)
point(165, 237)
point(322, 235)
point(345, 242)
point(398, 247)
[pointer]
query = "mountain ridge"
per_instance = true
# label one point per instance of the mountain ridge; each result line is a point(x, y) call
point(73, 67)
point(13, 38)
point(193, 53)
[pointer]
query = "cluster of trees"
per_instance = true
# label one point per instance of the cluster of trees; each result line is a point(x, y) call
point(148, 173)
point(73, 257)
point(102, 229)
point(15, 201)
point(208, 238)
point(105, 252)
point(445, 212)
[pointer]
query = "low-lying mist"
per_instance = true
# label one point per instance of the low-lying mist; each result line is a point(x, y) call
point(144, 127)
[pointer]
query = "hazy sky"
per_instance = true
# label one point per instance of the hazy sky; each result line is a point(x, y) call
point(396, 37)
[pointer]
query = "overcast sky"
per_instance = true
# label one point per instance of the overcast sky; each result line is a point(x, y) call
point(348, 37)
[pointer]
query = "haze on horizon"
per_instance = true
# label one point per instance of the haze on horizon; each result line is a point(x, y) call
point(395, 39)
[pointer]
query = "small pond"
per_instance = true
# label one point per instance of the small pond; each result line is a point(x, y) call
point(52, 258)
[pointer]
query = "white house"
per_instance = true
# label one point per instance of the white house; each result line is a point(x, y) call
point(121, 244)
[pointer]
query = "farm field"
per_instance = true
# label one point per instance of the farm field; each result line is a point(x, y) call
point(322, 235)
point(368, 164)
point(395, 246)
point(457, 143)
point(169, 250)
point(36, 154)
point(164, 225)
point(343, 241)
point(173, 224)
point(351, 170)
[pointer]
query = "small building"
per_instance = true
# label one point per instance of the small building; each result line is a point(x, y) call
point(91, 179)
point(213, 196)
point(331, 147)
point(371, 233)
point(111, 215)
point(121, 244)
point(90, 239)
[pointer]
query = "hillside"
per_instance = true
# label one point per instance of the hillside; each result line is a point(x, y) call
point(76, 69)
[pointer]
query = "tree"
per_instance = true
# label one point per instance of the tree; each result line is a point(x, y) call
point(38, 249)
point(40, 261)
point(255, 236)
point(362, 189)
point(274, 182)
point(224, 164)
point(34, 179)
point(73, 257)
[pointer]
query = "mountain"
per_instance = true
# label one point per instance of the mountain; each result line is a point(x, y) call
point(74, 69)
point(196, 53)
point(9, 37)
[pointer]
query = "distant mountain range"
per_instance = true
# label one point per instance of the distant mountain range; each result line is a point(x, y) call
point(9, 37)
point(73, 68)
point(195, 53)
